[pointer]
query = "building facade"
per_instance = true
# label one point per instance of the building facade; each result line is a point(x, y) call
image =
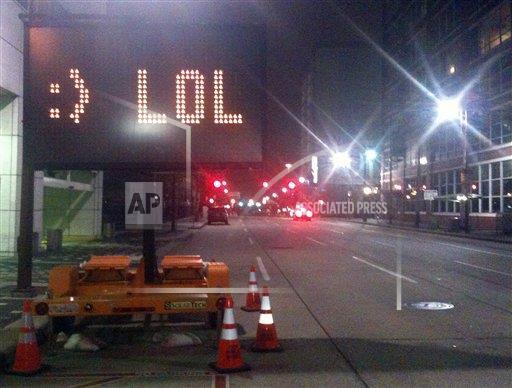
point(70, 201)
point(11, 113)
point(445, 49)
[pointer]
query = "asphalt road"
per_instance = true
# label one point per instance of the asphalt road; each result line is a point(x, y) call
point(343, 298)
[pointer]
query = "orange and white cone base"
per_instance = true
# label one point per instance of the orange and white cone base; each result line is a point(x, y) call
point(229, 355)
point(27, 360)
point(253, 300)
point(266, 335)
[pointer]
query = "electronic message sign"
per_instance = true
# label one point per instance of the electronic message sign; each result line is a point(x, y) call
point(106, 94)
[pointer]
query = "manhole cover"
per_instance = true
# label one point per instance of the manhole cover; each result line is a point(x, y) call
point(431, 306)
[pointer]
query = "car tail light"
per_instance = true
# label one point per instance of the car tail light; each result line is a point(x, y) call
point(309, 214)
point(298, 213)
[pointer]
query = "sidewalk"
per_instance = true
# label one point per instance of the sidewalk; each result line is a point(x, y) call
point(73, 252)
point(484, 235)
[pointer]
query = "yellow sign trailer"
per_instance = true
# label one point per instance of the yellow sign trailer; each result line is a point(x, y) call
point(106, 285)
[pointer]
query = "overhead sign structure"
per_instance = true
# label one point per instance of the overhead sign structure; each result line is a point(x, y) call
point(143, 205)
point(105, 94)
point(430, 195)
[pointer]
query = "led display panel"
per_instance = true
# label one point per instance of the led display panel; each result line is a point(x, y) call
point(105, 94)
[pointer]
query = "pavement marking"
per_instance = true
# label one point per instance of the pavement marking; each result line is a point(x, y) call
point(3, 304)
point(9, 284)
point(383, 243)
point(484, 268)
point(318, 242)
point(385, 270)
point(263, 270)
point(16, 312)
point(250, 240)
point(336, 231)
point(471, 249)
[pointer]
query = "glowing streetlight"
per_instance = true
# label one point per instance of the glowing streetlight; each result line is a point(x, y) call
point(341, 159)
point(274, 195)
point(448, 110)
point(288, 165)
point(291, 185)
point(370, 155)
point(302, 179)
point(226, 191)
point(217, 184)
point(265, 184)
point(284, 190)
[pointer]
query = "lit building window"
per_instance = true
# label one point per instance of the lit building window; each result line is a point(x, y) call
point(496, 28)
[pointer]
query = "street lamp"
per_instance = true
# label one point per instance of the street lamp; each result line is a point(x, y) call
point(288, 165)
point(451, 110)
point(341, 159)
point(370, 155)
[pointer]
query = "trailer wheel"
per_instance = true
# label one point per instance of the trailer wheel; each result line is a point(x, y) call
point(65, 324)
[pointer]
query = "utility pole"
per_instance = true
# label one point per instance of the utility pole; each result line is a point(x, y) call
point(464, 181)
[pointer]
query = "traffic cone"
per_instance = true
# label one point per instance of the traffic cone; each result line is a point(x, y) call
point(27, 360)
point(266, 335)
point(229, 356)
point(252, 301)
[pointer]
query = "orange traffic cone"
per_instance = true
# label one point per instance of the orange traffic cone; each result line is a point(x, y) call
point(27, 360)
point(252, 301)
point(229, 357)
point(266, 335)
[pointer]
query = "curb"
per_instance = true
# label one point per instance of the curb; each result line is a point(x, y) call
point(200, 225)
point(440, 233)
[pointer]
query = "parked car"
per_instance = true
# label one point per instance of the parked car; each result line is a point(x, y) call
point(217, 214)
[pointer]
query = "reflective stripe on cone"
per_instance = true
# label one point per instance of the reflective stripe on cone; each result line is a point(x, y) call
point(229, 355)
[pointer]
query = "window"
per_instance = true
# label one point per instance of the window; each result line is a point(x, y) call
point(495, 28)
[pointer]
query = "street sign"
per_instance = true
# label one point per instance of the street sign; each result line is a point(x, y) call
point(430, 195)
point(143, 205)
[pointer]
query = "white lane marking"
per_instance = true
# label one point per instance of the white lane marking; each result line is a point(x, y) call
point(250, 241)
point(35, 284)
point(383, 243)
point(263, 270)
point(471, 249)
point(318, 242)
point(384, 270)
point(16, 312)
point(336, 231)
point(484, 268)
point(3, 304)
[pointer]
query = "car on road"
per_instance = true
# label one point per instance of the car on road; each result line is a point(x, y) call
point(302, 214)
point(217, 214)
